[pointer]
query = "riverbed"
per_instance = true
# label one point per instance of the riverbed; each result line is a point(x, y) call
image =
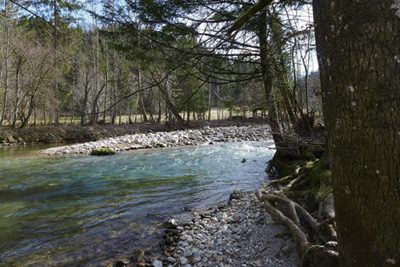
point(81, 210)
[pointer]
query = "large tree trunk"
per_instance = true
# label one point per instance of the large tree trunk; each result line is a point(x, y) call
point(359, 59)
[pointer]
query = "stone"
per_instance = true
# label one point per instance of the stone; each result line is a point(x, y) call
point(183, 260)
point(138, 255)
point(171, 223)
point(171, 259)
point(122, 263)
point(188, 253)
point(172, 231)
point(102, 152)
point(286, 249)
point(270, 222)
point(169, 240)
point(157, 263)
point(197, 258)
point(214, 219)
point(320, 256)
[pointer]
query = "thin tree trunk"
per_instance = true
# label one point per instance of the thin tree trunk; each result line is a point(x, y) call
point(17, 71)
point(142, 107)
point(106, 89)
point(114, 93)
point(209, 102)
point(6, 54)
point(130, 110)
point(266, 66)
point(56, 65)
point(159, 108)
point(35, 117)
point(120, 114)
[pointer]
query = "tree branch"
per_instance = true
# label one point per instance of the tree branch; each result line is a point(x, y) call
point(248, 15)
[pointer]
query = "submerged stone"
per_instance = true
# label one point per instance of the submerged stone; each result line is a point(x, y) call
point(236, 194)
point(138, 255)
point(122, 263)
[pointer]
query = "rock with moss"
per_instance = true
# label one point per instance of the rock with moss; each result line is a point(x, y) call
point(102, 152)
point(138, 255)
point(3, 138)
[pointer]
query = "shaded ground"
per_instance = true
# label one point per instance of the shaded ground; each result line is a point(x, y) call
point(75, 133)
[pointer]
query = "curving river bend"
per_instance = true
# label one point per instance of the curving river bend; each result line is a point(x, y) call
point(85, 211)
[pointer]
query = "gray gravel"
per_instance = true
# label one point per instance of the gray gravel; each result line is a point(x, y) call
point(238, 234)
point(168, 139)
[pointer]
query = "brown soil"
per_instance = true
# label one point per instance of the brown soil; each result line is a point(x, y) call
point(75, 133)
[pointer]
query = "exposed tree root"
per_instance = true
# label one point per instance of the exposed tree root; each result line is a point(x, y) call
point(308, 232)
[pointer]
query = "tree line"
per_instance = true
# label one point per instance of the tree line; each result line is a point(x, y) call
point(141, 62)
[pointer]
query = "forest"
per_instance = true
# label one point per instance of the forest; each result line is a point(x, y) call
point(95, 63)
point(172, 62)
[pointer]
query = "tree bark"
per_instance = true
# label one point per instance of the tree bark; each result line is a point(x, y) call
point(6, 60)
point(57, 108)
point(17, 91)
point(142, 106)
point(267, 76)
point(359, 60)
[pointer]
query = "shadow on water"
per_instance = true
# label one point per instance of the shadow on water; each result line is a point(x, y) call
point(82, 210)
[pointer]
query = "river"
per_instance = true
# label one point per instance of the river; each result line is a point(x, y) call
point(91, 211)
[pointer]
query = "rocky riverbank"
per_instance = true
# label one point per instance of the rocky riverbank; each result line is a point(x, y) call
point(206, 135)
point(61, 133)
point(240, 233)
point(237, 234)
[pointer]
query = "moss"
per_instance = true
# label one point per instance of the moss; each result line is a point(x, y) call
point(3, 138)
point(297, 242)
point(282, 168)
point(138, 255)
point(320, 176)
point(283, 235)
point(102, 152)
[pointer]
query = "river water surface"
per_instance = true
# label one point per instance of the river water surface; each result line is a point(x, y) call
point(85, 211)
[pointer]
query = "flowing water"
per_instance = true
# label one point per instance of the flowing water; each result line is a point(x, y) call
point(90, 211)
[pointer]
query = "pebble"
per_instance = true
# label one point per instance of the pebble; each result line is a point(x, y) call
point(183, 260)
point(246, 241)
point(171, 259)
point(168, 139)
point(157, 263)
